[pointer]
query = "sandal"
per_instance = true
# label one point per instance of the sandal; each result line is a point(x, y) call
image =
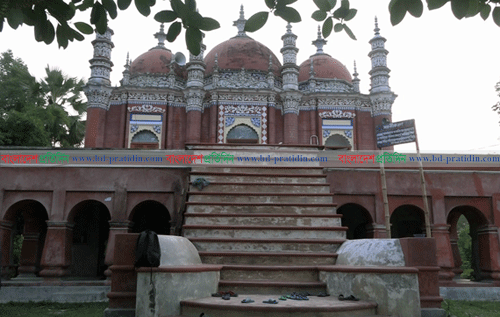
point(341, 297)
point(284, 297)
point(270, 301)
point(323, 294)
point(247, 300)
point(226, 296)
point(232, 294)
point(351, 297)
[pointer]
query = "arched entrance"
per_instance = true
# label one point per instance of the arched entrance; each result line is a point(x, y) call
point(26, 238)
point(468, 251)
point(242, 134)
point(150, 215)
point(90, 237)
point(337, 141)
point(357, 219)
point(407, 221)
point(144, 140)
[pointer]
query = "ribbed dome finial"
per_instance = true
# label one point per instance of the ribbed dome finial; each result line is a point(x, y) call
point(240, 23)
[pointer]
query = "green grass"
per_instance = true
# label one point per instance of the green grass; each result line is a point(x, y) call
point(46, 309)
point(460, 308)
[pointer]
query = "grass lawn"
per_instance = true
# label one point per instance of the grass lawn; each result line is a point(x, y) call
point(460, 308)
point(46, 309)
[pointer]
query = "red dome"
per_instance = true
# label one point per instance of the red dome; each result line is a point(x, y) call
point(242, 52)
point(325, 66)
point(155, 61)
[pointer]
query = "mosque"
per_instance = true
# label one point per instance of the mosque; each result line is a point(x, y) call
point(238, 93)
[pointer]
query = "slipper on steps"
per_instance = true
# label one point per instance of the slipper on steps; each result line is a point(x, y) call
point(270, 301)
point(351, 297)
point(247, 300)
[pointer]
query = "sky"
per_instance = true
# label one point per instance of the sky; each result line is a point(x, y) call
point(443, 70)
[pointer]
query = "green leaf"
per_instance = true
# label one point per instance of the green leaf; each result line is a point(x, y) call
point(191, 5)
point(95, 14)
point(61, 11)
point(180, 8)
point(349, 32)
point(327, 27)
point(286, 2)
point(416, 8)
point(459, 8)
point(256, 21)
point(397, 9)
point(209, 24)
point(77, 35)
point(143, 6)
point(62, 38)
point(83, 27)
point(289, 14)
point(324, 5)
point(193, 19)
point(338, 27)
point(49, 33)
point(110, 6)
point(124, 4)
point(173, 31)
point(193, 40)
point(496, 15)
point(474, 7)
point(436, 4)
point(485, 11)
point(15, 18)
point(350, 15)
point(271, 4)
point(343, 11)
point(86, 4)
point(165, 16)
point(319, 15)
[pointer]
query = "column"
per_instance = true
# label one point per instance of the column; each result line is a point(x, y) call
point(56, 257)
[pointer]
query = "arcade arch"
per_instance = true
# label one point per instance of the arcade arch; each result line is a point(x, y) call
point(407, 221)
point(357, 219)
point(150, 215)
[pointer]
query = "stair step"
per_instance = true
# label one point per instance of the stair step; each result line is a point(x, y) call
point(224, 219)
point(314, 307)
point(259, 178)
point(264, 232)
point(272, 287)
point(301, 188)
point(261, 197)
point(259, 208)
point(272, 273)
point(268, 258)
point(266, 245)
point(260, 170)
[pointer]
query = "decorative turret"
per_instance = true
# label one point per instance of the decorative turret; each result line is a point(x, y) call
point(355, 81)
point(98, 89)
point(380, 93)
point(290, 70)
point(126, 72)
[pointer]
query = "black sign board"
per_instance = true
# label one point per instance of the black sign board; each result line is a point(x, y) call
point(395, 133)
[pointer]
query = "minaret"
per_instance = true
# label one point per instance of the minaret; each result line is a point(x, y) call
point(98, 89)
point(290, 96)
point(126, 73)
point(194, 95)
point(355, 80)
point(380, 93)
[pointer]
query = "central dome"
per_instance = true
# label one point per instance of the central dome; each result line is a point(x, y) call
point(242, 52)
point(325, 67)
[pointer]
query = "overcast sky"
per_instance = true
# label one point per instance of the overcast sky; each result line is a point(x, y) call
point(443, 70)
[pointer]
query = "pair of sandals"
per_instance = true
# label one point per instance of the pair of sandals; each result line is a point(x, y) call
point(350, 297)
point(298, 296)
point(225, 295)
point(247, 300)
point(270, 301)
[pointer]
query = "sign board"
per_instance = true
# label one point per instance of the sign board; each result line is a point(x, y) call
point(395, 133)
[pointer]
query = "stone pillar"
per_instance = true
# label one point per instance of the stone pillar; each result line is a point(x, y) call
point(56, 257)
point(457, 259)
point(489, 253)
point(376, 230)
point(446, 262)
point(5, 244)
point(291, 101)
point(115, 227)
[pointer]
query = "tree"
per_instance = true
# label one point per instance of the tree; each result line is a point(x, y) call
point(42, 14)
point(33, 113)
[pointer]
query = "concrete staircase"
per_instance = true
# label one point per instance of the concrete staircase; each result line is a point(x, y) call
point(270, 227)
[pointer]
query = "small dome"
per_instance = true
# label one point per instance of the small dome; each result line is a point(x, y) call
point(325, 67)
point(242, 52)
point(155, 61)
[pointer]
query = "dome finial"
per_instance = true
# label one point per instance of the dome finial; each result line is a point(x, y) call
point(161, 36)
point(377, 30)
point(289, 28)
point(355, 71)
point(240, 23)
point(319, 43)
